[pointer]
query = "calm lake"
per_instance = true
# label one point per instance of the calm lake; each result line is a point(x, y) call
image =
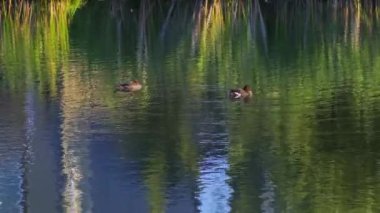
point(307, 141)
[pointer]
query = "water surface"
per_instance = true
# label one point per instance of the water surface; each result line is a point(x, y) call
point(306, 142)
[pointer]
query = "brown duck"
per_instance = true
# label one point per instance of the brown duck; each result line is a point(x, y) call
point(245, 92)
point(134, 85)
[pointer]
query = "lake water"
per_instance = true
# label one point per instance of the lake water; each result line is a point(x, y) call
point(307, 141)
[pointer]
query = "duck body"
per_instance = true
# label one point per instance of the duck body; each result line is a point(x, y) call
point(244, 92)
point(134, 85)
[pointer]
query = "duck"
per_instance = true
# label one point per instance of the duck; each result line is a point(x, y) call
point(132, 86)
point(244, 92)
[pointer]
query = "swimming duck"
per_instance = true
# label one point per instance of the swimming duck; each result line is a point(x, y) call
point(241, 93)
point(129, 87)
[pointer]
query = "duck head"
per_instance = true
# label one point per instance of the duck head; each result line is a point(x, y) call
point(247, 89)
point(135, 82)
